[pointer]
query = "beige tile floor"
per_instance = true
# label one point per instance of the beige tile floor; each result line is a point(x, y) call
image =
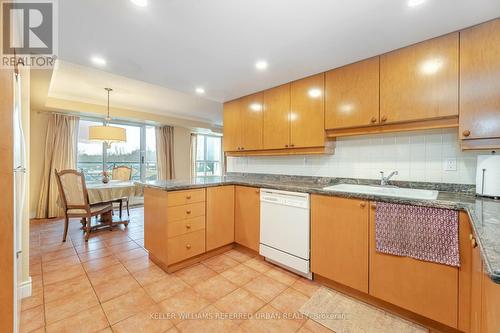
point(110, 285)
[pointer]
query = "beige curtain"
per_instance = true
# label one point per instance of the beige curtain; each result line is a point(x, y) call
point(165, 152)
point(194, 149)
point(60, 154)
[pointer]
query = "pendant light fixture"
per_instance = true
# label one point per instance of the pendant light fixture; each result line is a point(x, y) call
point(106, 133)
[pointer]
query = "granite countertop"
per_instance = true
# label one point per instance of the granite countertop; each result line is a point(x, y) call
point(484, 213)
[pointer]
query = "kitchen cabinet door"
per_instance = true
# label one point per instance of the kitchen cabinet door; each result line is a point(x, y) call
point(252, 121)
point(307, 116)
point(232, 125)
point(220, 216)
point(247, 217)
point(476, 289)
point(426, 288)
point(465, 273)
point(490, 309)
point(339, 240)
point(352, 95)
point(277, 117)
point(479, 81)
point(420, 82)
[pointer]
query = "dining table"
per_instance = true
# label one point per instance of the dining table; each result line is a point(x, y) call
point(112, 191)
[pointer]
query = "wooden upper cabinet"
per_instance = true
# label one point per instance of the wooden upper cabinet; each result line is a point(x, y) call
point(247, 216)
point(252, 121)
point(232, 125)
point(220, 216)
point(277, 117)
point(339, 240)
point(307, 116)
point(480, 81)
point(352, 95)
point(420, 82)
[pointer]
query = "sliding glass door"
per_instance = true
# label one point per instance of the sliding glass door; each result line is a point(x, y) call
point(138, 153)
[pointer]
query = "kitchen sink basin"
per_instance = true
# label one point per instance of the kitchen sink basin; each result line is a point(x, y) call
point(384, 191)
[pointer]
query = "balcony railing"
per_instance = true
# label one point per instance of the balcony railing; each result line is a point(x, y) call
point(93, 170)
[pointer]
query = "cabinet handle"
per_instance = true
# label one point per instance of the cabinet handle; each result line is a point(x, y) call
point(286, 146)
point(473, 243)
point(188, 226)
point(373, 120)
point(373, 205)
point(188, 197)
point(292, 145)
point(466, 133)
point(188, 246)
point(362, 204)
point(257, 191)
point(188, 212)
point(384, 119)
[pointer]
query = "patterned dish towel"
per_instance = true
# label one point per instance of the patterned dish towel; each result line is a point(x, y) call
point(424, 233)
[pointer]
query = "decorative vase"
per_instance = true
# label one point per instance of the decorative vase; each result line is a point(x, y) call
point(105, 177)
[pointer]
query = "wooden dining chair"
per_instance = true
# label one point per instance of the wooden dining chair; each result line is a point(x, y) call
point(75, 201)
point(122, 172)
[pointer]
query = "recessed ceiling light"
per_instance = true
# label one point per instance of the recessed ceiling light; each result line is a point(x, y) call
point(261, 65)
point(97, 60)
point(415, 3)
point(140, 3)
point(314, 92)
point(200, 90)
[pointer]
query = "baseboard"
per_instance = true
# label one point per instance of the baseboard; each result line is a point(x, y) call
point(25, 288)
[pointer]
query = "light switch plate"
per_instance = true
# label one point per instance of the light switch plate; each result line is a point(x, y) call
point(450, 164)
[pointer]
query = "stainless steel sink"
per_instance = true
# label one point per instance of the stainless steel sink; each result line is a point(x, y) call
point(384, 191)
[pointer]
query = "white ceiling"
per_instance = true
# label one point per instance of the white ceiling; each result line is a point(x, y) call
point(83, 84)
point(182, 44)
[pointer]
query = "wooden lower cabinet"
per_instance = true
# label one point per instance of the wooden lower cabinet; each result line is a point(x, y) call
point(185, 246)
point(339, 238)
point(490, 309)
point(476, 290)
point(220, 216)
point(425, 288)
point(247, 216)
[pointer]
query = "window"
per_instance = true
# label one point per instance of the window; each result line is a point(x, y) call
point(139, 152)
point(207, 155)
point(89, 153)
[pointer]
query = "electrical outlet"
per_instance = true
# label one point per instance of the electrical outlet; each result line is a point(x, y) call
point(450, 164)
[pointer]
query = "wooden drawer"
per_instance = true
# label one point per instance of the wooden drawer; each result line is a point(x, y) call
point(178, 198)
point(182, 227)
point(186, 246)
point(186, 211)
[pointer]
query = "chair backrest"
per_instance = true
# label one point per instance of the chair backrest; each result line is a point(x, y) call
point(121, 173)
point(72, 189)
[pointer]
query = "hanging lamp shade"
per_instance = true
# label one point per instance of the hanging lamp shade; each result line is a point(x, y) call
point(106, 133)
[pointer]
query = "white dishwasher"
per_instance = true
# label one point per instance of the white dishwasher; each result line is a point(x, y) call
point(285, 229)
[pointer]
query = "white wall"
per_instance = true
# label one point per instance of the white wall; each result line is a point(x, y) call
point(418, 156)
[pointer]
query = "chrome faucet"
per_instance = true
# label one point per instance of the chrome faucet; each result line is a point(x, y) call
point(384, 180)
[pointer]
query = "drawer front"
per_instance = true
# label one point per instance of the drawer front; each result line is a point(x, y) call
point(179, 198)
point(182, 227)
point(186, 211)
point(186, 246)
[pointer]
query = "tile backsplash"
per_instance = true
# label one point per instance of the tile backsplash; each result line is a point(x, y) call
point(418, 156)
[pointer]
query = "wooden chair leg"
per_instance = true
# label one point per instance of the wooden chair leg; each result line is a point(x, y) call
point(121, 208)
point(88, 223)
point(66, 223)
